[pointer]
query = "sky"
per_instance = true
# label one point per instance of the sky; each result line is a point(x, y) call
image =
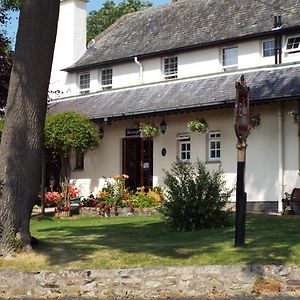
point(92, 5)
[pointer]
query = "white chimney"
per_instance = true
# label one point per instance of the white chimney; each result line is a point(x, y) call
point(70, 42)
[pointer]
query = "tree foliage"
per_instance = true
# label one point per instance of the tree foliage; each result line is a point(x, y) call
point(98, 21)
point(5, 58)
point(67, 130)
point(194, 197)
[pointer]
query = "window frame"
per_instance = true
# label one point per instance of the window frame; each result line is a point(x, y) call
point(271, 50)
point(79, 161)
point(214, 137)
point(292, 50)
point(104, 78)
point(170, 69)
point(232, 67)
point(184, 140)
point(84, 87)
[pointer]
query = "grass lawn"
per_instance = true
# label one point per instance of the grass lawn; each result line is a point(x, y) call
point(130, 242)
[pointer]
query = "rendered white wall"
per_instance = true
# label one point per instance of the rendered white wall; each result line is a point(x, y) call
point(190, 63)
point(262, 180)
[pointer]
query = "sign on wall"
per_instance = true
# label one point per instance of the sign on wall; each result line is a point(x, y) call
point(241, 112)
point(133, 132)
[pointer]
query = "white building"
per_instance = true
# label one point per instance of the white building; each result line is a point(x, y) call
point(175, 63)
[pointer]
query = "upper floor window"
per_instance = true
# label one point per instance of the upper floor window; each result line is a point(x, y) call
point(214, 146)
point(293, 44)
point(268, 48)
point(230, 58)
point(84, 83)
point(170, 67)
point(184, 147)
point(106, 78)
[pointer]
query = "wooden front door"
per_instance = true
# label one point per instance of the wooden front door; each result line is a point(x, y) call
point(138, 162)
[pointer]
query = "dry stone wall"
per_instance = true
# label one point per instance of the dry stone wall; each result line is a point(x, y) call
point(157, 283)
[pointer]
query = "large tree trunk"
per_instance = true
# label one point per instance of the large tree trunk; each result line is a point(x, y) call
point(21, 143)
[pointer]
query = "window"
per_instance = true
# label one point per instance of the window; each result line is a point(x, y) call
point(84, 83)
point(184, 147)
point(268, 48)
point(214, 146)
point(106, 78)
point(79, 161)
point(170, 67)
point(230, 58)
point(293, 44)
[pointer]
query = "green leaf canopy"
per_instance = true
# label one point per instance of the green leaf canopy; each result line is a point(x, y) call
point(69, 130)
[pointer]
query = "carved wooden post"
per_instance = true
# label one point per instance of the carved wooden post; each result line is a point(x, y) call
point(241, 117)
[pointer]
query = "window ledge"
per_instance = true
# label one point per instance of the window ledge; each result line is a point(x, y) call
point(213, 162)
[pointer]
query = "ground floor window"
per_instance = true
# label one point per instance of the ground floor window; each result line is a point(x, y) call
point(79, 161)
point(214, 146)
point(184, 147)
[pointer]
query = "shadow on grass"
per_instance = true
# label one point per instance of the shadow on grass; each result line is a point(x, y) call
point(270, 240)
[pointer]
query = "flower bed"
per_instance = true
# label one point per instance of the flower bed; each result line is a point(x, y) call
point(96, 211)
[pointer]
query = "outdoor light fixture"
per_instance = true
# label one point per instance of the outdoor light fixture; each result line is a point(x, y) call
point(101, 133)
point(163, 127)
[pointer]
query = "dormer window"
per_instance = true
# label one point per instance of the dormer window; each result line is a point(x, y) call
point(170, 67)
point(293, 44)
point(106, 78)
point(84, 83)
point(268, 48)
point(230, 58)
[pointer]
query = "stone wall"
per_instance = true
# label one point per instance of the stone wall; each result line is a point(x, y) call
point(158, 283)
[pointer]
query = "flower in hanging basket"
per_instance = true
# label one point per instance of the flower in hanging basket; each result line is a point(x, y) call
point(149, 130)
point(199, 125)
point(295, 115)
point(254, 120)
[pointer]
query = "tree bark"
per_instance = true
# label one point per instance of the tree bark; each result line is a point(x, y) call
point(21, 143)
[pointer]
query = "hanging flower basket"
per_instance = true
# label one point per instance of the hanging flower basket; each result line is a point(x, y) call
point(295, 115)
point(149, 130)
point(199, 125)
point(254, 121)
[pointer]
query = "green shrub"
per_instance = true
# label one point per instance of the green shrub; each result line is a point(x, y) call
point(142, 199)
point(194, 197)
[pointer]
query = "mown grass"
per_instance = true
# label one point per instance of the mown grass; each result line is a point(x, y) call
point(130, 242)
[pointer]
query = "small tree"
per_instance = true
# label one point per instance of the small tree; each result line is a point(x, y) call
point(66, 131)
point(194, 198)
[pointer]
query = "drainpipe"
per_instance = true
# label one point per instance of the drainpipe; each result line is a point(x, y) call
point(280, 159)
point(141, 70)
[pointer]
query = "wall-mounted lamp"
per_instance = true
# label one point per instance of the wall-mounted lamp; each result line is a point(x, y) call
point(101, 133)
point(163, 127)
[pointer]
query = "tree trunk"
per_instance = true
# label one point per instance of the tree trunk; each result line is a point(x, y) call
point(21, 143)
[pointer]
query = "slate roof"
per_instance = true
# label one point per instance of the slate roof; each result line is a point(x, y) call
point(268, 84)
point(187, 24)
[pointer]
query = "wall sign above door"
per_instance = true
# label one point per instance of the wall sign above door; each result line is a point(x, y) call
point(133, 132)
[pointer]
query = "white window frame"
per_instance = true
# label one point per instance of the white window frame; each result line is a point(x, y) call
point(292, 50)
point(170, 67)
point(229, 67)
point(184, 147)
point(104, 80)
point(269, 50)
point(84, 84)
point(214, 146)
